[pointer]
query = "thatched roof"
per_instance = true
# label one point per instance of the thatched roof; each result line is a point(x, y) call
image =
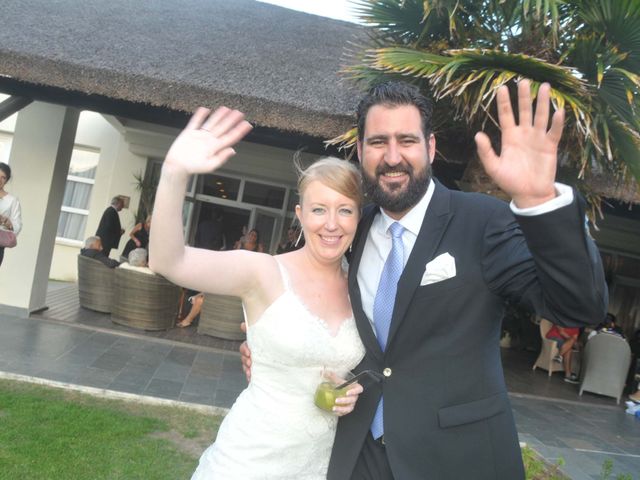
point(277, 65)
point(610, 187)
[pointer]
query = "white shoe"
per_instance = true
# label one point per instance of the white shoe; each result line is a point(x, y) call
point(573, 378)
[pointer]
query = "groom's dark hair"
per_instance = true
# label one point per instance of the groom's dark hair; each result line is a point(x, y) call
point(395, 93)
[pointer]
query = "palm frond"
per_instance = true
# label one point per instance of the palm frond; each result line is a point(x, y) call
point(627, 146)
point(402, 21)
point(464, 50)
point(615, 93)
point(345, 141)
point(620, 21)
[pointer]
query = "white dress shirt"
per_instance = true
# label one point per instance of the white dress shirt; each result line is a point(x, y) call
point(378, 244)
point(10, 207)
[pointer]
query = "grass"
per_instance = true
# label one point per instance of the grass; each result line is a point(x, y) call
point(49, 433)
point(538, 469)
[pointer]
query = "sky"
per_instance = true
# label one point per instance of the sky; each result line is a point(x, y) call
point(338, 9)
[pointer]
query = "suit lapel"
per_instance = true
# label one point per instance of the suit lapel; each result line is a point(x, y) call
point(367, 335)
point(433, 227)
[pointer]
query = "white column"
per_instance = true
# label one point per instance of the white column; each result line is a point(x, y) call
point(39, 160)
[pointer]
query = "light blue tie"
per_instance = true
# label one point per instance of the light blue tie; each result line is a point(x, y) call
point(383, 305)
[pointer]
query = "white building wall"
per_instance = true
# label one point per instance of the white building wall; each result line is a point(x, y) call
point(114, 176)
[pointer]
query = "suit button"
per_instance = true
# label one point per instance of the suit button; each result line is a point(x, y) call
point(387, 372)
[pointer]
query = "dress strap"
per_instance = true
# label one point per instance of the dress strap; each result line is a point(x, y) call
point(285, 276)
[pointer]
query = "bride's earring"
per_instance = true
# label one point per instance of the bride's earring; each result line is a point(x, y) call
point(298, 239)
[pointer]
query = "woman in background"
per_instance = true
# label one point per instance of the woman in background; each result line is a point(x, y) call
point(139, 237)
point(10, 214)
point(250, 241)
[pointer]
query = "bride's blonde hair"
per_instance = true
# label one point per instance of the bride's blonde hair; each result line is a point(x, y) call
point(339, 175)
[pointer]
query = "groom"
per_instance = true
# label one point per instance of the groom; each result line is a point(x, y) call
point(442, 411)
point(430, 271)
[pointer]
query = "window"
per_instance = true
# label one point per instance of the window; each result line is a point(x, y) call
point(265, 195)
point(77, 194)
point(221, 187)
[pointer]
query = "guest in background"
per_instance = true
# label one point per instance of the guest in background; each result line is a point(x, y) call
point(250, 242)
point(109, 229)
point(608, 326)
point(139, 237)
point(196, 302)
point(10, 214)
point(138, 260)
point(93, 249)
point(210, 233)
point(290, 244)
point(566, 338)
point(634, 370)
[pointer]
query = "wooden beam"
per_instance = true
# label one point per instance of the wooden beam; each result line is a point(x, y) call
point(12, 105)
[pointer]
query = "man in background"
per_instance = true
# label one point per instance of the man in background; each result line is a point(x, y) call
point(93, 249)
point(109, 229)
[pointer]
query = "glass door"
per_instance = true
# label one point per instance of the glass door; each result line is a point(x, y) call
point(268, 225)
point(218, 227)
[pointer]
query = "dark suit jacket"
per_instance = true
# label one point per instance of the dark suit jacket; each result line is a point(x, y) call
point(446, 411)
point(99, 255)
point(109, 229)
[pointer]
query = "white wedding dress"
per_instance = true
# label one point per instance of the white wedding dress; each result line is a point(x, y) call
point(274, 430)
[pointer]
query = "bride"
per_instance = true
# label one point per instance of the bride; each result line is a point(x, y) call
point(298, 315)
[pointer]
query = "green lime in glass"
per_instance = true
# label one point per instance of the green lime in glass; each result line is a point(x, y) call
point(326, 392)
point(326, 395)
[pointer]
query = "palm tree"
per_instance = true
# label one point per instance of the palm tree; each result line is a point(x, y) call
point(463, 50)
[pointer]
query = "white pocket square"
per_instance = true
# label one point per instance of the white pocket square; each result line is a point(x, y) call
point(440, 268)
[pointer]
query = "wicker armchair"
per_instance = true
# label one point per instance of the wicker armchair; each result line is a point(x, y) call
point(548, 350)
point(221, 316)
point(95, 284)
point(144, 301)
point(607, 360)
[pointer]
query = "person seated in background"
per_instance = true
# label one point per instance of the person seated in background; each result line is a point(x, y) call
point(139, 237)
point(566, 339)
point(634, 370)
point(196, 302)
point(138, 260)
point(93, 249)
point(608, 326)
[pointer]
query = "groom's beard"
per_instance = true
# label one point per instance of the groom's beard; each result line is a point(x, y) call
point(398, 198)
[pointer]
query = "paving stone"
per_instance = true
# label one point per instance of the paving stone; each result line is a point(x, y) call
point(163, 389)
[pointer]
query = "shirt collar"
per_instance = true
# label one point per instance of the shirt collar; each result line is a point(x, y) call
point(412, 220)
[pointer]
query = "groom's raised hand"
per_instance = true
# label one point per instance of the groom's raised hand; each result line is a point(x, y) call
point(526, 166)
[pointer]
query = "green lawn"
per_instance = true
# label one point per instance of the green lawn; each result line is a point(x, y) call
point(536, 469)
point(49, 433)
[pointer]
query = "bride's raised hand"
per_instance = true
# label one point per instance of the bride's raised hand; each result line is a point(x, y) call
point(206, 142)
